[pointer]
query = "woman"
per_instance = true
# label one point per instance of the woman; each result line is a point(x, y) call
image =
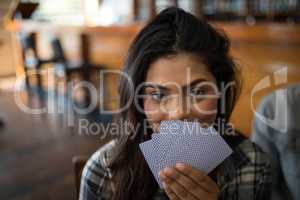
point(173, 65)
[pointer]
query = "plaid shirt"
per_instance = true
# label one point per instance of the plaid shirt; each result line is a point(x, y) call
point(244, 175)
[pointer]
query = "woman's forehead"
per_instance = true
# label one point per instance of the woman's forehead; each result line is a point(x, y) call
point(180, 69)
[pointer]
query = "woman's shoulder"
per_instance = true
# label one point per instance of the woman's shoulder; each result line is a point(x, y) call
point(253, 166)
point(247, 151)
point(248, 162)
point(102, 156)
point(96, 173)
point(254, 154)
point(246, 174)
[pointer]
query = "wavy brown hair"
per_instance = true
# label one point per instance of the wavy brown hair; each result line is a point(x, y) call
point(172, 31)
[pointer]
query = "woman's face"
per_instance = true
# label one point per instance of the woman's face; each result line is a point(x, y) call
point(180, 87)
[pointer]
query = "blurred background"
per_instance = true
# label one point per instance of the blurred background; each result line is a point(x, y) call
point(48, 47)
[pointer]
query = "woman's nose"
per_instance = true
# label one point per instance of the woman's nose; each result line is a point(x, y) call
point(178, 109)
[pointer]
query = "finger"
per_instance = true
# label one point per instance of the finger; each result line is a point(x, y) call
point(176, 187)
point(179, 191)
point(170, 193)
point(189, 184)
point(199, 177)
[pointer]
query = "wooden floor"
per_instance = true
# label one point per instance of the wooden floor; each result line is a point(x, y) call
point(36, 153)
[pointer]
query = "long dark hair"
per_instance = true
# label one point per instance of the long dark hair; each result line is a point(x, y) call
point(172, 31)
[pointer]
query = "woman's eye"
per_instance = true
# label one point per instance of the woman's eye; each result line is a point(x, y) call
point(199, 92)
point(157, 96)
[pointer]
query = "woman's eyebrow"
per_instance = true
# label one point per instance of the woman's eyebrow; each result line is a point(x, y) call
point(155, 86)
point(194, 83)
point(160, 87)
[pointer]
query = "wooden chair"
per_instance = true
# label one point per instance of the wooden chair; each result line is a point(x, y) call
point(31, 58)
point(60, 58)
point(84, 68)
point(78, 163)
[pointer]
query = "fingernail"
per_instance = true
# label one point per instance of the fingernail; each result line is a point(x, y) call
point(160, 173)
point(180, 166)
point(164, 184)
point(168, 170)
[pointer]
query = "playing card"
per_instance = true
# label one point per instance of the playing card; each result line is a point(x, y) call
point(150, 157)
point(168, 135)
point(202, 151)
point(162, 141)
point(185, 142)
point(202, 148)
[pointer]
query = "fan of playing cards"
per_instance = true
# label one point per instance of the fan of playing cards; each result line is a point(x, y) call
point(185, 142)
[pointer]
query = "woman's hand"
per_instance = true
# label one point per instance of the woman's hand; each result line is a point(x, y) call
point(187, 183)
